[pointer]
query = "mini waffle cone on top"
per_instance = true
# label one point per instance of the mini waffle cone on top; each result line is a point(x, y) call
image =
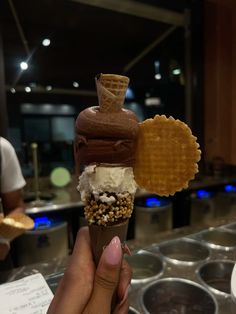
point(166, 155)
point(111, 90)
point(14, 225)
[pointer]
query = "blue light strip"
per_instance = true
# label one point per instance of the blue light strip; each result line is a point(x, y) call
point(152, 202)
point(230, 188)
point(42, 222)
point(203, 194)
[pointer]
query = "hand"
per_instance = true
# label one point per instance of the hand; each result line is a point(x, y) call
point(4, 249)
point(85, 290)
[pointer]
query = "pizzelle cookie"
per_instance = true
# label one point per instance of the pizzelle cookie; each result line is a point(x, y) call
point(166, 155)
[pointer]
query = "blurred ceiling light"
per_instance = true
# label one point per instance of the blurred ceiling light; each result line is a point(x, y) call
point(48, 88)
point(27, 89)
point(176, 71)
point(76, 84)
point(153, 101)
point(24, 65)
point(47, 108)
point(157, 64)
point(158, 76)
point(157, 70)
point(12, 90)
point(46, 42)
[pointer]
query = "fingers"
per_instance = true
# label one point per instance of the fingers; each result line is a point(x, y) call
point(123, 288)
point(125, 279)
point(76, 286)
point(122, 308)
point(4, 249)
point(106, 278)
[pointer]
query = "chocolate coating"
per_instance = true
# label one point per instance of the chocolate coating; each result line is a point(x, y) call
point(110, 151)
point(106, 137)
point(95, 124)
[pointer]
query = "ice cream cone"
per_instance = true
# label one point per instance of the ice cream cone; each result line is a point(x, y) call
point(111, 90)
point(14, 225)
point(102, 235)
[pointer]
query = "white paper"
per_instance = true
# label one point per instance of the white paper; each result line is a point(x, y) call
point(29, 295)
point(233, 284)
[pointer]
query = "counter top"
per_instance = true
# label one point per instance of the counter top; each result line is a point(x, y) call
point(210, 181)
point(69, 197)
point(61, 198)
point(137, 244)
point(53, 270)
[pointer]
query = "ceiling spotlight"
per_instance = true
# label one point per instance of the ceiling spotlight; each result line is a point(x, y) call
point(76, 84)
point(46, 42)
point(12, 90)
point(158, 76)
point(27, 89)
point(24, 65)
point(48, 88)
point(176, 71)
point(152, 101)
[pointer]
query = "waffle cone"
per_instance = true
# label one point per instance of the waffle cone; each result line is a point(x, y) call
point(166, 156)
point(10, 232)
point(111, 90)
point(101, 236)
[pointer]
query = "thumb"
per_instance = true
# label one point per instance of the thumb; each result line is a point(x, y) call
point(106, 278)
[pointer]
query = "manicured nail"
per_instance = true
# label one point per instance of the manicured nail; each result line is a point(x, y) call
point(126, 249)
point(113, 252)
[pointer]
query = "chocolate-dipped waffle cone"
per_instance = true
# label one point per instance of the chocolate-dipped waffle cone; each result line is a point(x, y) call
point(111, 90)
point(108, 220)
point(101, 236)
point(14, 225)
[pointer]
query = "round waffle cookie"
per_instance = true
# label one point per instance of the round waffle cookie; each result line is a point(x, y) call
point(166, 155)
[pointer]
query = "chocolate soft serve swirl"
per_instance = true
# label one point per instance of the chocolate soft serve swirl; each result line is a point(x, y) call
point(104, 136)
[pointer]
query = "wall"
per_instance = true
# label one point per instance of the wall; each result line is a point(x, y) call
point(220, 80)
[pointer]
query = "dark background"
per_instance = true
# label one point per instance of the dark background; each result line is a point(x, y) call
point(85, 41)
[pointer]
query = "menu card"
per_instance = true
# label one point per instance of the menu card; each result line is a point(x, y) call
point(29, 295)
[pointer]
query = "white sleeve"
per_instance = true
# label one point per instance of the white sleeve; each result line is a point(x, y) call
point(11, 176)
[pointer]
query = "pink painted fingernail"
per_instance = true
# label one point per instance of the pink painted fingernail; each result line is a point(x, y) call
point(126, 250)
point(113, 252)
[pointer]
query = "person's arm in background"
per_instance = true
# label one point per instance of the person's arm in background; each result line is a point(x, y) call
point(13, 202)
point(12, 180)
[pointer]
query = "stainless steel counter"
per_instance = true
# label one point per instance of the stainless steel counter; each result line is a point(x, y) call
point(69, 197)
point(176, 272)
point(186, 275)
point(197, 259)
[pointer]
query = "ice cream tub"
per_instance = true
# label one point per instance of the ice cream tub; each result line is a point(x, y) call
point(216, 275)
point(175, 295)
point(145, 265)
point(184, 251)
